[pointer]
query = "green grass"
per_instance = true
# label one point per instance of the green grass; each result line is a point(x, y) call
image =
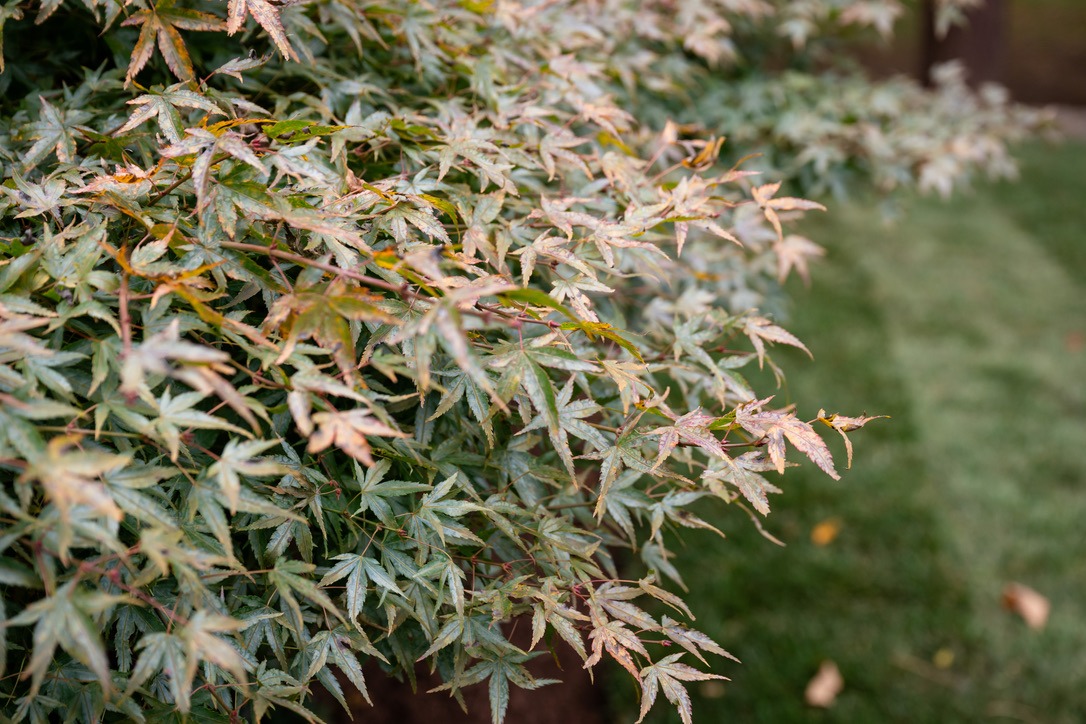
point(960, 322)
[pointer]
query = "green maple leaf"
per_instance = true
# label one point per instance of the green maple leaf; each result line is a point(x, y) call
point(570, 417)
point(668, 674)
point(54, 132)
point(323, 312)
point(65, 619)
point(163, 106)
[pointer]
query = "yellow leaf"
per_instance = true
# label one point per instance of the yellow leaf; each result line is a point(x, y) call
point(943, 658)
point(825, 532)
point(707, 156)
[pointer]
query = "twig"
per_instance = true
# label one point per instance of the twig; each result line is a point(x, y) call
point(126, 320)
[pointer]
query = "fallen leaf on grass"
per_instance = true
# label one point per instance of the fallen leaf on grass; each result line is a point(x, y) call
point(1027, 603)
point(943, 658)
point(712, 689)
point(825, 532)
point(823, 689)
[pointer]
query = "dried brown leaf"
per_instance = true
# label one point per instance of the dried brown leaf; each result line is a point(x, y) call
point(822, 690)
point(1027, 603)
point(161, 22)
point(267, 15)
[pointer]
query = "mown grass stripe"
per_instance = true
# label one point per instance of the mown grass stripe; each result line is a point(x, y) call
point(964, 322)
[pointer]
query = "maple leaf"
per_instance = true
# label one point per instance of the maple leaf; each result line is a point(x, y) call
point(777, 425)
point(176, 414)
point(825, 532)
point(794, 252)
point(561, 618)
point(760, 330)
point(692, 429)
point(881, 16)
point(557, 212)
point(163, 105)
point(236, 66)
point(487, 208)
point(347, 430)
point(689, 201)
point(37, 199)
point(126, 180)
point(323, 312)
point(624, 172)
point(569, 416)
point(691, 639)
point(706, 157)
point(202, 643)
point(667, 674)
point(267, 15)
point(625, 452)
point(616, 599)
point(574, 289)
point(359, 570)
point(445, 320)
point(70, 477)
point(556, 145)
point(592, 330)
point(180, 654)
point(53, 132)
point(240, 458)
point(617, 640)
point(610, 235)
point(553, 247)
point(161, 22)
point(603, 112)
point(624, 375)
point(421, 216)
point(485, 157)
point(743, 473)
point(67, 619)
point(763, 196)
point(206, 146)
point(157, 353)
point(843, 424)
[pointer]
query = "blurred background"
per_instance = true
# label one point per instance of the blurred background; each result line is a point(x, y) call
point(945, 576)
point(966, 322)
point(1035, 48)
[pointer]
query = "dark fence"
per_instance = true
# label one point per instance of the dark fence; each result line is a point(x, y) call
point(1037, 48)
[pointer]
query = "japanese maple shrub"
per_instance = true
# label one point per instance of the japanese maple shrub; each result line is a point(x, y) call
point(356, 329)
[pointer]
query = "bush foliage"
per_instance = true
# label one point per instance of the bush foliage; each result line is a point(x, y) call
point(355, 329)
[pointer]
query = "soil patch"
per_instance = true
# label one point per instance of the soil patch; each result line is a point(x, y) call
point(576, 699)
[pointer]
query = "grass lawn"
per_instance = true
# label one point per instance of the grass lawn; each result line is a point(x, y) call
point(967, 323)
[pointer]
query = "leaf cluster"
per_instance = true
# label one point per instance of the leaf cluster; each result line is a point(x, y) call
point(339, 331)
